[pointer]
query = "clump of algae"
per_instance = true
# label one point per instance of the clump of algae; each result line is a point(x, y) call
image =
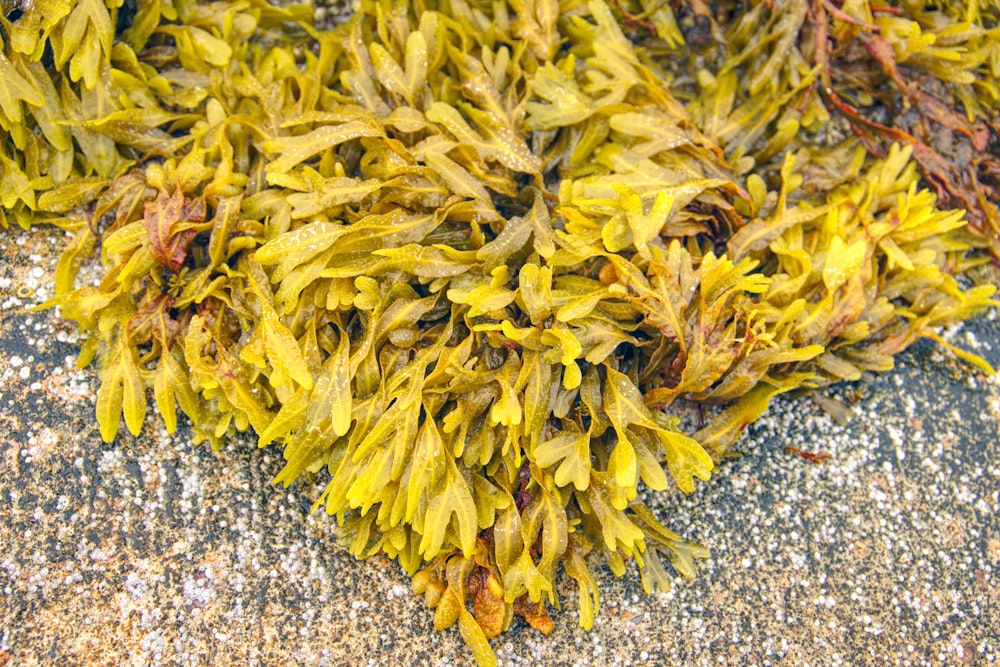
point(466, 259)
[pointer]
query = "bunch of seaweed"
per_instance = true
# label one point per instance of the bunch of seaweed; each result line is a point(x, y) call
point(464, 260)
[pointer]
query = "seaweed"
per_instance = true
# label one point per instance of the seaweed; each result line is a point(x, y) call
point(467, 261)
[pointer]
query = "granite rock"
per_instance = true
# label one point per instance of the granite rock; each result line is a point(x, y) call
point(151, 551)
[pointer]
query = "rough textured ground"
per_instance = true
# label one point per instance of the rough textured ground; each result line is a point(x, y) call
point(149, 551)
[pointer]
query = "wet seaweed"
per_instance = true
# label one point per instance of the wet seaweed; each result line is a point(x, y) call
point(466, 260)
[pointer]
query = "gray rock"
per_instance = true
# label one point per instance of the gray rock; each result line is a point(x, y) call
point(150, 551)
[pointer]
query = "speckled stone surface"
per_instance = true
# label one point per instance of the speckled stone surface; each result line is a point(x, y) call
point(150, 551)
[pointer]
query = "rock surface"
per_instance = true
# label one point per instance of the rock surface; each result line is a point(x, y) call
point(150, 551)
